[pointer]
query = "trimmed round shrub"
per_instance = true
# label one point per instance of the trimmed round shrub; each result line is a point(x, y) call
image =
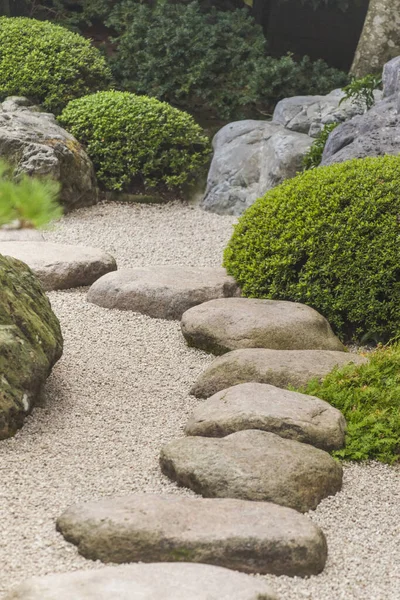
point(47, 63)
point(137, 140)
point(329, 238)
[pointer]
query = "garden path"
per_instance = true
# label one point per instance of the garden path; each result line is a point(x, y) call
point(121, 391)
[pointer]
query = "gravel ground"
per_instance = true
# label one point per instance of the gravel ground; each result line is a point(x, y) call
point(120, 392)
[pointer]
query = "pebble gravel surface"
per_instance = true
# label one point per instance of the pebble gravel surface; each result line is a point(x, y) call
point(120, 392)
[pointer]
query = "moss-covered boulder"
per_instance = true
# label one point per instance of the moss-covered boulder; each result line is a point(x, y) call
point(30, 342)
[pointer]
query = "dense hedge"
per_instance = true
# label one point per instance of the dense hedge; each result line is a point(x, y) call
point(369, 397)
point(135, 139)
point(207, 60)
point(328, 238)
point(47, 63)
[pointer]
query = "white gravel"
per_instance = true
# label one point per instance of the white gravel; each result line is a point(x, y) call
point(120, 392)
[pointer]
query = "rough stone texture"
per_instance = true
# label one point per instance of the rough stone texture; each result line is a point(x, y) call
point(282, 368)
point(21, 235)
point(253, 465)
point(163, 581)
point(260, 406)
point(35, 144)
point(308, 114)
point(254, 537)
point(250, 158)
point(30, 343)
point(59, 266)
point(390, 77)
point(375, 133)
point(163, 292)
point(228, 324)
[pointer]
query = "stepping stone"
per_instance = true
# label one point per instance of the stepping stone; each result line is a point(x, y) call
point(260, 406)
point(163, 581)
point(253, 465)
point(164, 292)
point(254, 537)
point(282, 368)
point(226, 324)
point(60, 266)
point(21, 235)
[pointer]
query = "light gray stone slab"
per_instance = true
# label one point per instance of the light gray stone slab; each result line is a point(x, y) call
point(282, 368)
point(163, 581)
point(254, 537)
point(163, 292)
point(253, 465)
point(60, 266)
point(226, 324)
point(260, 406)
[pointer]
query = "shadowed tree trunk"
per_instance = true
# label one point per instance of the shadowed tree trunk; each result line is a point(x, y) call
point(261, 10)
point(380, 37)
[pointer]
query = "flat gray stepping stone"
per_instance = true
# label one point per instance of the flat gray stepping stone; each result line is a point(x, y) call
point(282, 368)
point(60, 266)
point(226, 324)
point(21, 235)
point(253, 465)
point(254, 537)
point(163, 581)
point(260, 406)
point(163, 292)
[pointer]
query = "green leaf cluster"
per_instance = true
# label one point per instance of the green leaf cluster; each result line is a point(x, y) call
point(29, 201)
point(369, 398)
point(313, 157)
point(361, 91)
point(211, 60)
point(131, 137)
point(47, 63)
point(329, 238)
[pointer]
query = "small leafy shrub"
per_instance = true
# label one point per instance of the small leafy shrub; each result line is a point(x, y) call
point(28, 201)
point(361, 91)
point(313, 157)
point(369, 397)
point(47, 63)
point(210, 60)
point(328, 238)
point(135, 138)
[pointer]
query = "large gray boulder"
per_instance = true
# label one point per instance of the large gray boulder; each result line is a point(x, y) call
point(281, 368)
point(163, 581)
point(35, 144)
point(375, 133)
point(308, 114)
point(254, 537)
point(61, 266)
point(30, 343)
point(391, 77)
point(226, 324)
point(163, 292)
point(250, 158)
point(253, 465)
point(260, 406)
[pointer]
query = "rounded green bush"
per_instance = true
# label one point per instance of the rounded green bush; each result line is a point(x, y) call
point(47, 63)
point(136, 140)
point(329, 238)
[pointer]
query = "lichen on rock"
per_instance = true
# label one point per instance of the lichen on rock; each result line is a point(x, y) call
point(30, 342)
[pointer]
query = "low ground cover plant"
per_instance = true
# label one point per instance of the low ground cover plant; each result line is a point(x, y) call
point(135, 139)
point(47, 63)
point(328, 238)
point(369, 398)
point(28, 202)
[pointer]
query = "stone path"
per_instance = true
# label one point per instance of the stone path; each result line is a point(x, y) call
point(61, 266)
point(260, 406)
point(100, 434)
point(254, 537)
